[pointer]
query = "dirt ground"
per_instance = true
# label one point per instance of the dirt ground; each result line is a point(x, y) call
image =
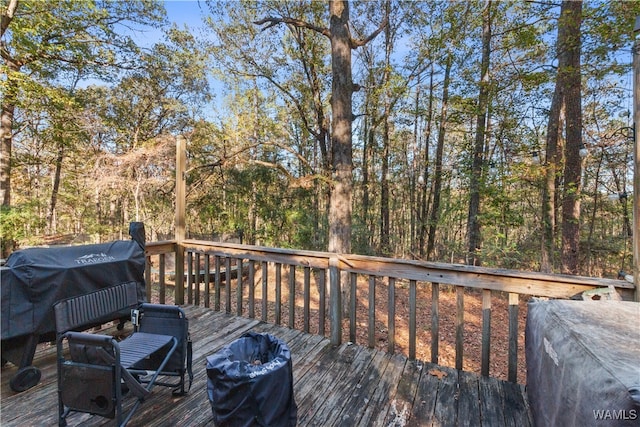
point(498, 366)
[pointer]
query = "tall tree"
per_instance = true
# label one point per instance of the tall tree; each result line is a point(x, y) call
point(570, 79)
point(342, 89)
point(477, 167)
point(437, 180)
point(553, 154)
point(566, 98)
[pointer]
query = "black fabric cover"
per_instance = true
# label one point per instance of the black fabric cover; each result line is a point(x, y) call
point(250, 382)
point(583, 362)
point(34, 279)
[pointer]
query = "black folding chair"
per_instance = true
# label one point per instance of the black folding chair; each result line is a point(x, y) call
point(167, 320)
point(96, 368)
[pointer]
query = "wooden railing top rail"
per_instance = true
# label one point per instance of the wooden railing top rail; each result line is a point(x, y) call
point(514, 281)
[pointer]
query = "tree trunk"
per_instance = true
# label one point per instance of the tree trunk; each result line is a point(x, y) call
point(415, 171)
point(5, 161)
point(342, 115)
point(424, 203)
point(6, 132)
point(6, 141)
point(6, 117)
point(572, 10)
point(55, 190)
point(473, 220)
point(437, 180)
point(385, 226)
point(367, 142)
point(549, 186)
point(384, 191)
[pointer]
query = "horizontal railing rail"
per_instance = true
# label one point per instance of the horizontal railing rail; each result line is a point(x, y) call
point(362, 298)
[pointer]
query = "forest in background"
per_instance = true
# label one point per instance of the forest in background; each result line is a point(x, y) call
point(452, 127)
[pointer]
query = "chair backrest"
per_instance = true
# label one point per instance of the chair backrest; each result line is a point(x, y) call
point(95, 307)
point(166, 320)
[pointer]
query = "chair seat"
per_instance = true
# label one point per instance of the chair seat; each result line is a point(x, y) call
point(139, 346)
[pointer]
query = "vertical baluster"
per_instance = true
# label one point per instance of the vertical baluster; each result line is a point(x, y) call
point(459, 326)
point(251, 289)
point(513, 337)
point(227, 288)
point(147, 277)
point(196, 299)
point(322, 307)
point(278, 293)
point(190, 277)
point(265, 287)
point(216, 283)
point(435, 321)
point(207, 281)
point(161, 278)
point(391, 317)
point(292, 296)
point(372, 311)
point(307, 298)
point(486, 331)
point(335, 302)
point(179, 274)
point(412, 319)
point(353, 307)
point(240, 290)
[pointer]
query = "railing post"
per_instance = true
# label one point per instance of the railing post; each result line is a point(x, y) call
point(335, 301)
point(180, 233)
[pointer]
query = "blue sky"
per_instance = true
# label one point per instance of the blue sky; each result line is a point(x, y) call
point(180, 12)
point(185, 11)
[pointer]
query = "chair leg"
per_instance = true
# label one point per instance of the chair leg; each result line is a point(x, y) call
point(179, 391)
point(62, 417)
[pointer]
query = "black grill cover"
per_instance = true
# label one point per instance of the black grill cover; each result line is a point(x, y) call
point(34, 279)
point(583, 362)
point(250, 382)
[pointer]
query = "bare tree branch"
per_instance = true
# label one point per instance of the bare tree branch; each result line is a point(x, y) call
point(272, 22)
point(357, 43)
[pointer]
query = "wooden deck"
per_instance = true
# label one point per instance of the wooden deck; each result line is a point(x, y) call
point(347, 385)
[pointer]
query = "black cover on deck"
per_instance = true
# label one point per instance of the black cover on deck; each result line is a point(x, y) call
point(583, 363)
point(250, 383)
point(34, 279)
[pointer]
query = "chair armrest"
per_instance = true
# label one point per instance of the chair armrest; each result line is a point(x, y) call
point(174, 310)
point(90, 339)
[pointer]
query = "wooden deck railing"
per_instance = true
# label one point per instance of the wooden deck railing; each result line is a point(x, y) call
point(223, 276)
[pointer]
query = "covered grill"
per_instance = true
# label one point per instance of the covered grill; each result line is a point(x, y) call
point(34, 279)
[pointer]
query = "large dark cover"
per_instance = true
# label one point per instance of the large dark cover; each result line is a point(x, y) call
point(583, 362)
point(35, 278)
point(250, 382)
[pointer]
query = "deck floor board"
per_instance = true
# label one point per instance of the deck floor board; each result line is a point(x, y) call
point(345, 385)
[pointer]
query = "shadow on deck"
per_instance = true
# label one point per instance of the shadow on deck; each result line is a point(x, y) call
point(347, 385)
